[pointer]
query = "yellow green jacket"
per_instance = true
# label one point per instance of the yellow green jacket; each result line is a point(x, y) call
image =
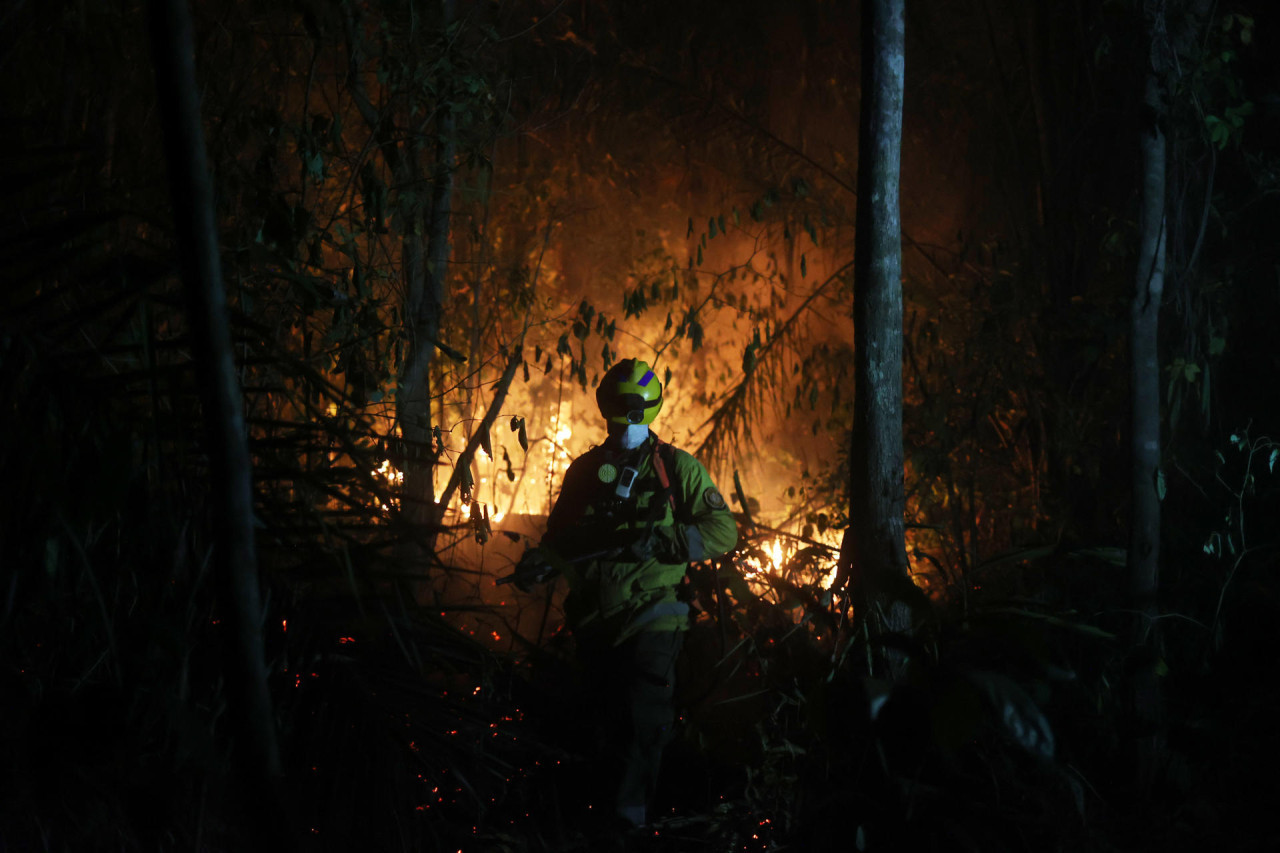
point(612, 596)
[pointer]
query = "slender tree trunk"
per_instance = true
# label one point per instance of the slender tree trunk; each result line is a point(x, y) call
point(413, 397)
point(231, 492)
point(874, 547)
point(425, 291)
point(1144, 536)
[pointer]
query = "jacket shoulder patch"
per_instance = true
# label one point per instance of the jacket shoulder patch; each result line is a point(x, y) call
point(713, 498)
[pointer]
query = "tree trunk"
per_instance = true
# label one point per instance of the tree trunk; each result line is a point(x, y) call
point(424, 303)
point(1144, 536)
point(231, 488)
point(413, 396)
point(874, 547)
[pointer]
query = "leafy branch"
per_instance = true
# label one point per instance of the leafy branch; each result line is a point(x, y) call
point(1233, 542)
point(731, 418)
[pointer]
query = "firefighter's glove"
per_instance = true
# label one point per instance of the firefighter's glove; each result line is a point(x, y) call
point(642, 548)
point(534, 568)
point(659, 544)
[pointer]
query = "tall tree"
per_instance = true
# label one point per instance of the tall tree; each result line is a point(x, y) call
point(1144, 318)
point(404, 134)
point(1171, 30)
point(235, 558)
point(424, 300)
point(874, 546)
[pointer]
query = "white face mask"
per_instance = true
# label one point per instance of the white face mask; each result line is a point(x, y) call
point(633, 436)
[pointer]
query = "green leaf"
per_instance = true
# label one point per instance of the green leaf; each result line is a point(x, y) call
point(1220, 135)
point(810, 230)
point(737, 585)
point(1217, 344)
point(1271, 463)
point(1016, 712)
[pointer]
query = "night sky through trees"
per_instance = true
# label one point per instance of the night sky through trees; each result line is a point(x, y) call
point(436, 223)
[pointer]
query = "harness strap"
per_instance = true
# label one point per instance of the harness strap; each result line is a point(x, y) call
point(658, 447)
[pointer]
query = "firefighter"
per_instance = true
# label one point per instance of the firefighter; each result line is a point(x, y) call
point(631, 515)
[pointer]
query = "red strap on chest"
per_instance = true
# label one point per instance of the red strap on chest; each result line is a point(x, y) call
point(661, 468)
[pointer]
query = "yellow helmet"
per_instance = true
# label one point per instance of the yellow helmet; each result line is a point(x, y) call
point(629, 393)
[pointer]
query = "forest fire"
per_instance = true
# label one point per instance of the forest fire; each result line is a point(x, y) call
point(777, 558)
point(467, 513)
point(767, 558)
point(387, 472)
point(393, 479)
point(310, 306)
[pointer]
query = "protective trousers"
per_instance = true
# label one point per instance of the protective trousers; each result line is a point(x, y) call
point(636, 680)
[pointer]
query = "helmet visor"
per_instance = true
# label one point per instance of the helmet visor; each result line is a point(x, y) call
point(630, 406)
